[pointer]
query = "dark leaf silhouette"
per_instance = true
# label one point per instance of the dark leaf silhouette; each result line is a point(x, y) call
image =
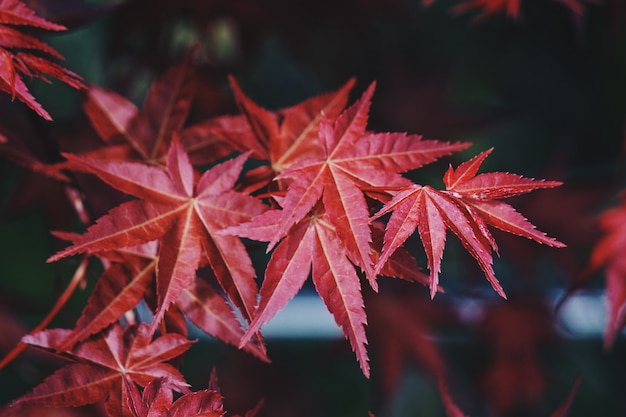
point(516, 331)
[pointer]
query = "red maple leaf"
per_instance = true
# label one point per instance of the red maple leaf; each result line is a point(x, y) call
point(353, 162)
point(312, 246)
point(184, 215)
point(131, 277)
point(145, 134)
point(13, 62)
point(323, 226)
point(106, 366)
point(468, 205)
point(285, 136)
point(609, 253)
point(157, 401)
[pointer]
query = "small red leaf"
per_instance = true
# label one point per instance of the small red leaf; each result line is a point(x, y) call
point(205, 403)
point(466, 207)
point(106, 366)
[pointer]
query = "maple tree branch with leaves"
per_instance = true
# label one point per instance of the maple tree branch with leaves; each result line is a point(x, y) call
point(326, 196)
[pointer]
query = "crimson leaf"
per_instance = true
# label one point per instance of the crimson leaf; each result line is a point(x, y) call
point(106, 366)
point(469, 203)
point(184, 215)
point(13, 63)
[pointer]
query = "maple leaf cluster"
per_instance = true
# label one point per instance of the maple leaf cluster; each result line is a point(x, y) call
point(17, 59)
point(108, 367)
point(322, 180)
point(328, 197)
point(321, 185)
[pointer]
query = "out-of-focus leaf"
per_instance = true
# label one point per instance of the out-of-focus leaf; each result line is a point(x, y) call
point(610, 253)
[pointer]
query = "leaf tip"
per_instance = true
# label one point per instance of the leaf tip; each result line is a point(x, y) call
point(433, 291)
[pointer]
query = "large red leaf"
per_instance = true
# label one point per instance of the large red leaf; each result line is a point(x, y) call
point(353, 162)
point(311, 247)
point(184, 216)
point(323, 225)
point(469, 203)
point(105, 366)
